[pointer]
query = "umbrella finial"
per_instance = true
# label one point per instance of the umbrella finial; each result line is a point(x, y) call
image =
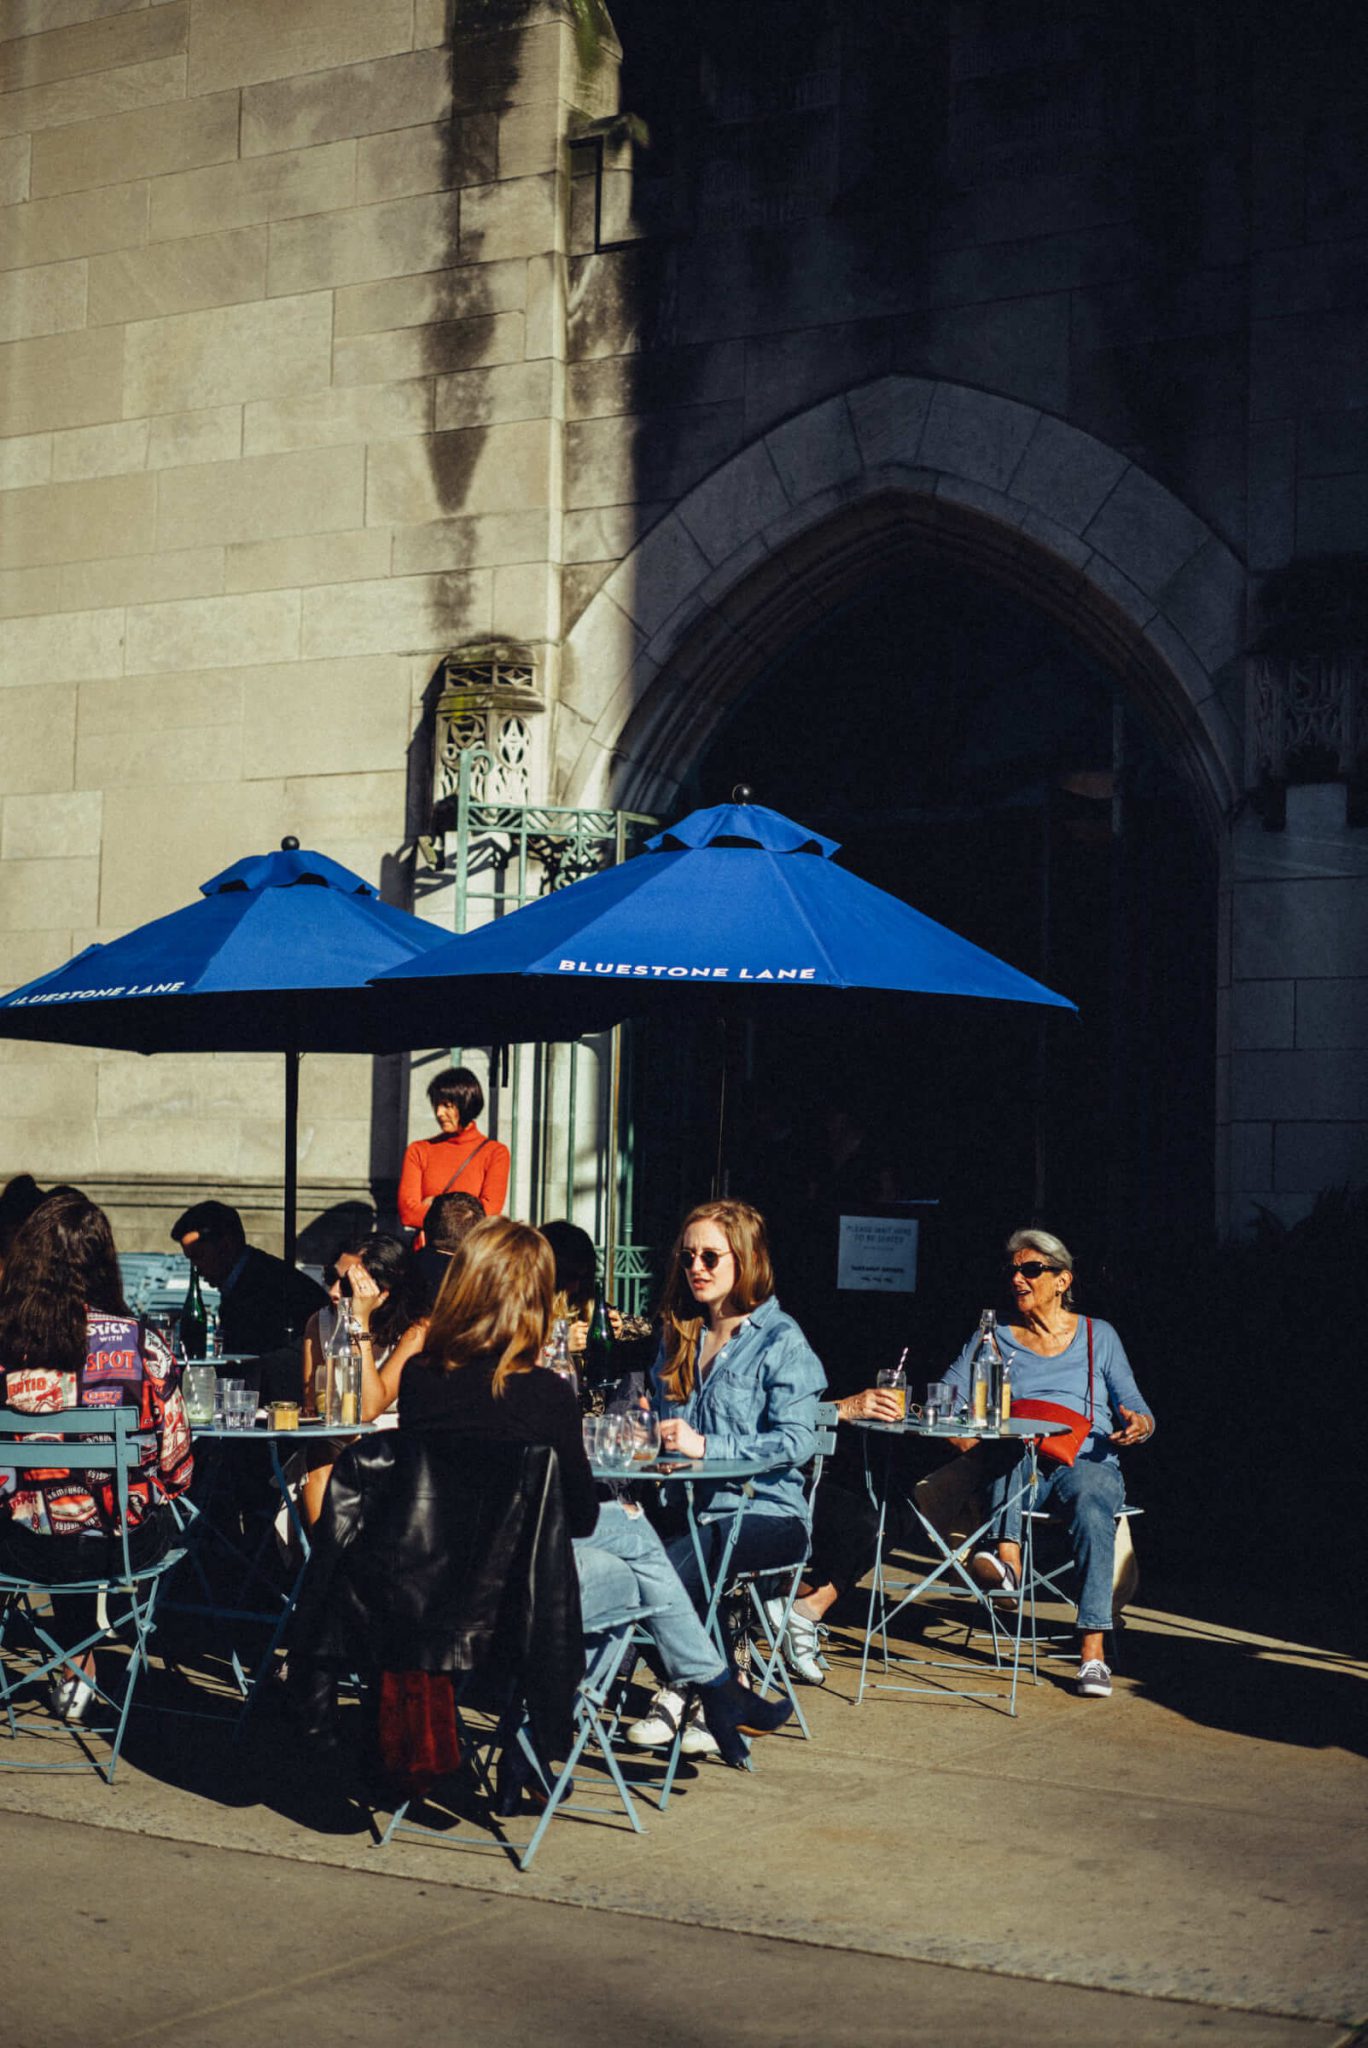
point(289, 844)
point(743, 794)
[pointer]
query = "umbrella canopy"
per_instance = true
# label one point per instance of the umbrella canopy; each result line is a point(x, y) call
point(274, 957)
point(736, 901)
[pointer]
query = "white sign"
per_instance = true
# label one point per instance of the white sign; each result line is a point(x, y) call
point(878, 1255)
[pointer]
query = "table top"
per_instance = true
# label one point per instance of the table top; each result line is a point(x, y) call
point(706, 1469)
point(261, 1431)
point(1019, 1426)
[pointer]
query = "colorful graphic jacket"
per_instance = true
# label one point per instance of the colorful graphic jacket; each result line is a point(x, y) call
point(126, 1366)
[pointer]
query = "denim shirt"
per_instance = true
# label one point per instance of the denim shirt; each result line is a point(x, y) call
point(759, 1399)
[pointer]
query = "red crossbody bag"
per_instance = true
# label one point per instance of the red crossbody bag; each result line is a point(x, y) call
point(1064, 1448)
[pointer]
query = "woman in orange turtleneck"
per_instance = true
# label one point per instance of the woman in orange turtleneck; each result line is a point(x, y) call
point(462, 1161)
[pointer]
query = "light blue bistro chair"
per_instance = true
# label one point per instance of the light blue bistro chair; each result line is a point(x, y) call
point(768, 1665)
point(597, 1713)
point(93, 1440)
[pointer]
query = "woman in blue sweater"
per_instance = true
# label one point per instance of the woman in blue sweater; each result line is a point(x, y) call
point(1078, 1362)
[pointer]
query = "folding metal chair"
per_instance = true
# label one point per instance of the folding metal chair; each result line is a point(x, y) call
point(110, 1440)
point(598, 1711)
point(747, 1585)
point(1050, 1584)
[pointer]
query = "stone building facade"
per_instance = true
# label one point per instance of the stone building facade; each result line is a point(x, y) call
point(341, 337)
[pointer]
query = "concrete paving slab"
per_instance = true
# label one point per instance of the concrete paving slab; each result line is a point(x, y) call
point(252, 1947)
point(1198, 1838)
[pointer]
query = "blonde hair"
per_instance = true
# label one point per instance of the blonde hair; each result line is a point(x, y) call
point(682, 1326)
point(494, 1301)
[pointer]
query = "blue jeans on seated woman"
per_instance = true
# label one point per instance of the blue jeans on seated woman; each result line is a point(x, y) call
point(624, 1565)
point(1086, 1497)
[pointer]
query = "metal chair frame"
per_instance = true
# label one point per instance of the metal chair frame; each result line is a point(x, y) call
point(598, 1711)
point(109, 1440)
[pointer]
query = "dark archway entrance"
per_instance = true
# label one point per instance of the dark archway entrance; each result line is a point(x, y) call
point(973, 758)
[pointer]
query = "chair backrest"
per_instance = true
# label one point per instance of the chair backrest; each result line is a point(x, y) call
point(101, 1440)
point(438, 1551)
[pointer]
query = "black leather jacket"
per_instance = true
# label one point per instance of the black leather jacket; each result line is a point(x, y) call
point(440, 1552)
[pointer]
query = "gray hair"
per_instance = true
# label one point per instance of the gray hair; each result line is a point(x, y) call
point(1050, 1247)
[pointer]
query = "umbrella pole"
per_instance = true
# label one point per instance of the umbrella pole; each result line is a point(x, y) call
point(610, 1233)
point(291, 1153)
point(717, 1184)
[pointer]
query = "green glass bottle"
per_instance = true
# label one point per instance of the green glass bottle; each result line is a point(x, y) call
point(598, 1350)
point(194, 1320)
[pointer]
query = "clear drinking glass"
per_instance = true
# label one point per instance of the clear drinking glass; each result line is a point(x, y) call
point(617, 1445)
point(645, 1436)
point(199, 1387)
point(939, 1403)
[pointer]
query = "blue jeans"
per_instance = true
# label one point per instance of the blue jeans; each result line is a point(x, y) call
point(764, 1543)
point(623, 1565)
point(1086, 1497)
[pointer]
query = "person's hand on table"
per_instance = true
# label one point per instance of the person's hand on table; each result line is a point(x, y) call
point(1137, 1427)
point(680, 1440)
point(874, 1404)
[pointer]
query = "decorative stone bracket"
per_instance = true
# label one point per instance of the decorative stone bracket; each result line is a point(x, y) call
point(1307, 717)
point(490, 706)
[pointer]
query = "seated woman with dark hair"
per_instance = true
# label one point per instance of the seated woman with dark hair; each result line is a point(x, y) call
point(68, 1340)
point(478, 1375)
point(460, 1160)
point(378, 1278)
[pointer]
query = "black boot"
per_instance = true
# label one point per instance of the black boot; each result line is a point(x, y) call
point(731, 1711)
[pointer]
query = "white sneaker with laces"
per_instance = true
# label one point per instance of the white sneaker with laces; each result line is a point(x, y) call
point(1094, 1680)
point(696, 1741)
point(659, 1725)
point(802, 1643)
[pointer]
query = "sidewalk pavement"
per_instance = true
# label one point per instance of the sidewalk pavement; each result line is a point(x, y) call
point(1182, 1862)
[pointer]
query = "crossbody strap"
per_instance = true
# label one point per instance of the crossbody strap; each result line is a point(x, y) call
point(462, 1169)
point(1092, 1403)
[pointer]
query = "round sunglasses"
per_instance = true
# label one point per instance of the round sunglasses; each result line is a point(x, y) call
point(708, 1258)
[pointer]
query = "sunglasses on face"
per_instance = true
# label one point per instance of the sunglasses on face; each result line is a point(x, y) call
point(1031, 1269)
point(708, 1258)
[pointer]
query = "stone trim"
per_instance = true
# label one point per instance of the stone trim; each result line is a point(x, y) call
point(897, 466)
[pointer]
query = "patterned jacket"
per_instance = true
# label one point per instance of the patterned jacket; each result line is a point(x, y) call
point(126, 1366)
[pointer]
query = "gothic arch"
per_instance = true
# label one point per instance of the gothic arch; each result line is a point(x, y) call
point(892, 469)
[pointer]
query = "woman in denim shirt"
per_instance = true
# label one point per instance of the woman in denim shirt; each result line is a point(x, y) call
point(735, 1378)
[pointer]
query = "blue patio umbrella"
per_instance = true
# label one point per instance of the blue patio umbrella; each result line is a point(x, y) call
point(735, 908)
point(274, 957)
point(734, 902)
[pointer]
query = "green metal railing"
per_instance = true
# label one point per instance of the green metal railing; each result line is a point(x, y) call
point(506, 855)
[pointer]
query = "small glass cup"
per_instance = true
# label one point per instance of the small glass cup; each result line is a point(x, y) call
point(284, 1414)
point(616, 1443)
point(590, 1427)
point(199, 1388)
point(239, 1407)
point(938, 1406)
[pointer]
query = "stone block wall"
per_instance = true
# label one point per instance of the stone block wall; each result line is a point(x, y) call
point(279, 425)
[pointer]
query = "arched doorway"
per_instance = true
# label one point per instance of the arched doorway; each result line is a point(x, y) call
point(983, 650)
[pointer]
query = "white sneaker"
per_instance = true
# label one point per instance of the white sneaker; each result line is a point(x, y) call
point(802, 1643)
point(70, 1695)
point(696, 1740)
point(659, 1725)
